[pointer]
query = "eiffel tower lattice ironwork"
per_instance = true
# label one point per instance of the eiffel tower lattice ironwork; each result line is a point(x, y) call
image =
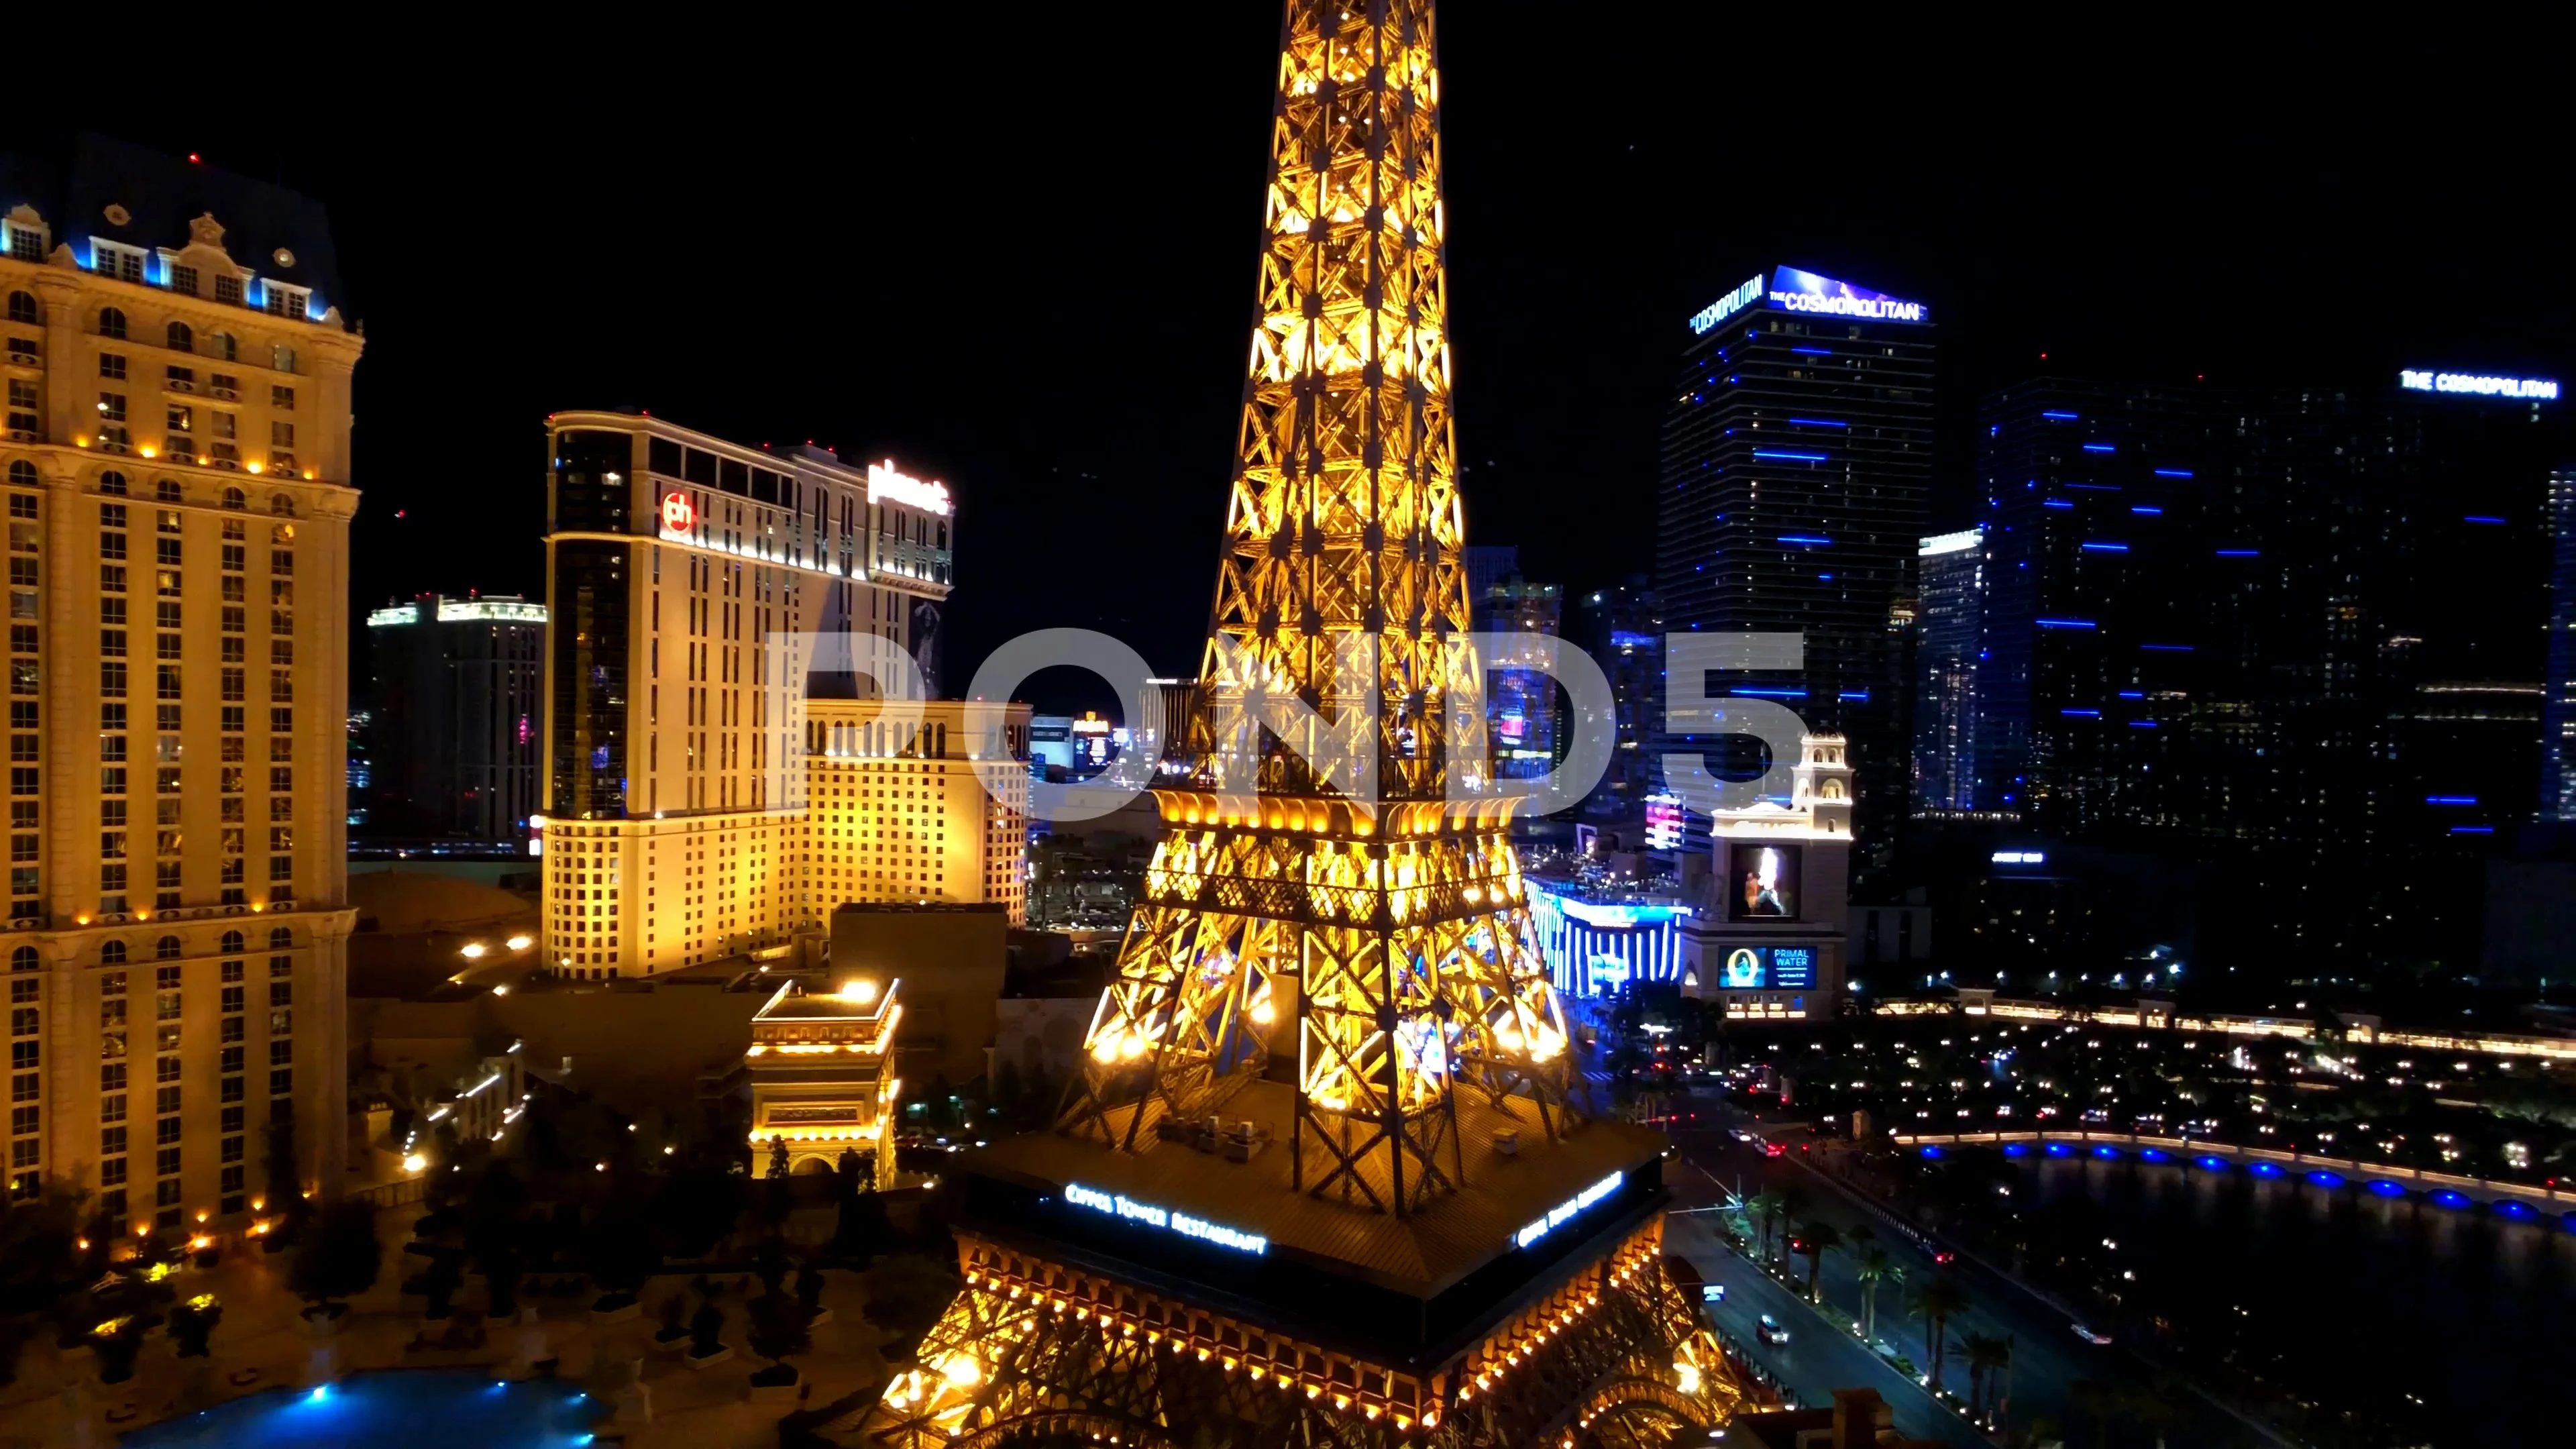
point(1334, 941)
point(1341, 886)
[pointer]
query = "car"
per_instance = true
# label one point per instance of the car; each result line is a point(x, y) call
point(1773, 1149)
point(2091, 1336)
point(1944, 1256)
point(1769, 1330)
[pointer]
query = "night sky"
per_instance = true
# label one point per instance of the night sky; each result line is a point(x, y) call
point(1018, 254)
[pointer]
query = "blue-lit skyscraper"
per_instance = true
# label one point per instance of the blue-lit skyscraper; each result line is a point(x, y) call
point(1797, 455)
point(2558, 686)
point(1947, 621)
point(2096, 559)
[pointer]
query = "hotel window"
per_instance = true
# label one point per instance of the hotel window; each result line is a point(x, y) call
point(111, 407)
point(283, 300)
point(111, 322)
point(228, 290)
point(113, 259)
point(182, 279)
point(281, 398)
point(181, 337)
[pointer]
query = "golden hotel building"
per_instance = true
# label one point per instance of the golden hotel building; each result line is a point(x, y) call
point(700, 807)
point(177, 465)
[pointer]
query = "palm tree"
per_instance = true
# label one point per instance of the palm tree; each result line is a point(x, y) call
point(1765, 1209)
point(1815, 1240)
point(1940, 1301)
point(1876, 1267)
point(1986, 1355)
point(2100, 1400)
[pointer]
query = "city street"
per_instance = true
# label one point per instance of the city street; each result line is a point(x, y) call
point(2049, 1359)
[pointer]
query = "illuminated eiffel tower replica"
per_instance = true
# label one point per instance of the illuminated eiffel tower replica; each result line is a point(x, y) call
point(1323, 1180)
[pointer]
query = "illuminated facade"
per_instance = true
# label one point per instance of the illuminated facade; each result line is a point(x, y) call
point(1321, 1180)
point(708, 601)
point(893, 821)
point(1797, 455)
point(1767, 939)
point(1952, 589)
point(458, 702)
point(822, 1078)
point(1599, 943)
point(177, 462)
point(2558, 689)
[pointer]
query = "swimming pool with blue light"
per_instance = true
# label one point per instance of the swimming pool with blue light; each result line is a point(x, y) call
point(395, 1409)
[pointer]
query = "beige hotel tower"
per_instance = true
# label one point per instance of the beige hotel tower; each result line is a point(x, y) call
point(177, 461)
point(700, 805)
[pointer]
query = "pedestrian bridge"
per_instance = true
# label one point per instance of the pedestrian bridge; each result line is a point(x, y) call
point(2516, 1201)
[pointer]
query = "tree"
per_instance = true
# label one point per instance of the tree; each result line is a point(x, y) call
point(1986, 1355)
point(286, 1199)
point(192, 1325)
point(706, 1327)
point(40, 1260)
point(809, 1288)
point(439, 1283)
point(116, 1345)
point(1815, 1240)
point(777, 1157)
point(2100, 1400)
point(339, 1258)
point(771, 1262)
point(1940, 1301)
point(778, 1331)
point(1765, 1209)
point(1876, 1269)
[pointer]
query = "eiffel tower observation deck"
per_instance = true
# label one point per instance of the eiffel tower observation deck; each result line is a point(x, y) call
point(1325, 1179)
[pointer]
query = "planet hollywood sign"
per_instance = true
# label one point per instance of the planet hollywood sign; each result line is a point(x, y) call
point(1156, 1217)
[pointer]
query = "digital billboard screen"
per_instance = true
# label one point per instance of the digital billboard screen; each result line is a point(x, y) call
point(1768, 968)
point(1763, 882)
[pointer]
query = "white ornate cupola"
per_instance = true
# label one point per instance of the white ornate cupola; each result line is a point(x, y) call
point(1822, 784)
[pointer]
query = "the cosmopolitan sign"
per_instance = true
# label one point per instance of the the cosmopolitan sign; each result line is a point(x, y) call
point(1728, 305)
point(1164, 1218)
point(1557, 1215)
point(2538, 389)
point(1795, 291)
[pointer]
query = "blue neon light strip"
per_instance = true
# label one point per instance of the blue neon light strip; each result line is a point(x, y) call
point(2096, 487)
point(1814, 351)
point(2068, 624)
point(2173, 472)
point(2450, 799)
point(2132, 694)
point(2167, 648)
point(2056, 503)
point(2473, 830)
point(1793, 457)
point(2062, 417)
point(2144, 508)
point(2240, 553)
point(2142, 724)
point(1806, 538)
point(2082, 713)
point(1771, 693)
point(2100, 448)
point(2106, 548)
point(1819, 423)
point(2481, 518)
point(1859, 694)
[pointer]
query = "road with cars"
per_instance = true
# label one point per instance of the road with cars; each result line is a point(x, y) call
point(2050, 1357)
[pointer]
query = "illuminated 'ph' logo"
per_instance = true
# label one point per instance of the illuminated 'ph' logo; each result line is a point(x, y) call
point(678, 514)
